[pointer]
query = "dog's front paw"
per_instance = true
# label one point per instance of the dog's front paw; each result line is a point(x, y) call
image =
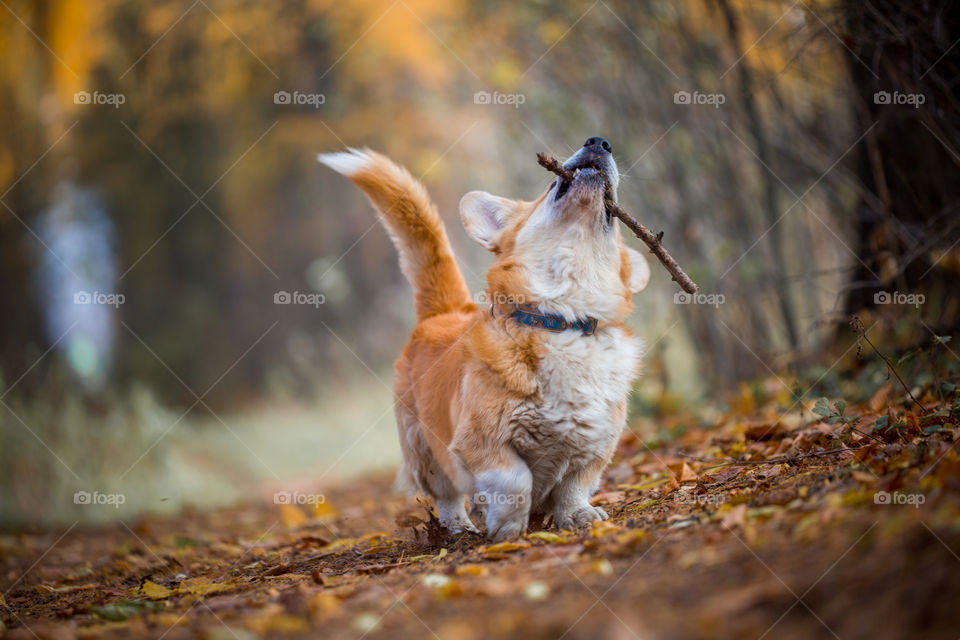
point(507, 529)
point(459, 526)
point(505, 493)
point(579, 516)
point(478, 511)
point(454, 517)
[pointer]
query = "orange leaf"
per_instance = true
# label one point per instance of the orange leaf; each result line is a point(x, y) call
point(879, 399)
point(608, 497)
point(291, 516)
point(736, 516)
point(683, 473)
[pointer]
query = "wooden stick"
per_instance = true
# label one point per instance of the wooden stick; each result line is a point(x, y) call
point(551, 164)
point(652, 241)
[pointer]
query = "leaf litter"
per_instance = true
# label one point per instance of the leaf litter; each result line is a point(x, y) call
point(851, 505)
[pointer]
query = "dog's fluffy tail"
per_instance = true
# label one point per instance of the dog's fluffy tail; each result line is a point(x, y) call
point(414, 226)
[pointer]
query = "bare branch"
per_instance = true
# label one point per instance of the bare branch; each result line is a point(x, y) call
point(652, 241)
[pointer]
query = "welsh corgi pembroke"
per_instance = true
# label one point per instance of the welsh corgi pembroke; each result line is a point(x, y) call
point(515, 406)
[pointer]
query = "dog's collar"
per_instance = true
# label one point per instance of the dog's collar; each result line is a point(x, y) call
point(531, 316)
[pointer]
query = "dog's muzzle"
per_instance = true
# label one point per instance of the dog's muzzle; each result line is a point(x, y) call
point(593, 161)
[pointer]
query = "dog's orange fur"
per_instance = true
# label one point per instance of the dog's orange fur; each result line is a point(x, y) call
point(465, 367)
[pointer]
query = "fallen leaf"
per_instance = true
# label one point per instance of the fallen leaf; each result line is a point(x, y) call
point(409, 520)
point(442, 586)
point(279, 570)
point(272, 623)
point(323, 604)
point(318, 541)
point(631, 537)
point(323, 509)
point(722, 474)
point(603, 567)
point(601, 528)
point(123, 609)
point(644, 505)
point(202, 586)
point(879, 400)
point(153, 591)
point(608, 497)
point(291, 516)
point(670, 485)
point(646, 485)
point(547, 536)
point(506, 547)
point(377, 549)
point(758, 430)
point(864, 477)
point(472, 570)
point(683, 473)
point(737, 516)
point(337, 546)
point(769, 471)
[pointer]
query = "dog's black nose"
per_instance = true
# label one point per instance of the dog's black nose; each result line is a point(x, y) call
point(601, 142)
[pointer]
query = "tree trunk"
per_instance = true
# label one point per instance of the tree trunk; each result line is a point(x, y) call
point(904, 68)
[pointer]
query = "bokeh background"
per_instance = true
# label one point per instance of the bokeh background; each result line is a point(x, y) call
point(160, 196)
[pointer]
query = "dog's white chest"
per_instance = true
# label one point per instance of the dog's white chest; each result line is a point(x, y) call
point(583, 377)
point(583, 382)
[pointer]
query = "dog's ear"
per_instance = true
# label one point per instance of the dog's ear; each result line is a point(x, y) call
point(639, 270)
point(485, 216)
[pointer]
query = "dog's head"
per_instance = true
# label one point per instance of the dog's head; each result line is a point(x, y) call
point(562, 251)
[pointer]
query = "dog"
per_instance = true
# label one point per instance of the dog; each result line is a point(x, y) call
point(517, 406)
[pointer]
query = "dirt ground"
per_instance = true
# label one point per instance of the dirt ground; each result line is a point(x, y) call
point(825, 520)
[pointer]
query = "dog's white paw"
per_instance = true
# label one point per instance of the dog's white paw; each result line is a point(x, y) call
point(506, 495)
point(478, 510)
point(507, 529)
point(579, 516)
point(453, 516)
point(459, 526)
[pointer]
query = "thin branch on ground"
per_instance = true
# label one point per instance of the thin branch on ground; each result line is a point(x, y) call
point(857, 325)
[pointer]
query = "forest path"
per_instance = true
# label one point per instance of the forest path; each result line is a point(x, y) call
point(830, 524)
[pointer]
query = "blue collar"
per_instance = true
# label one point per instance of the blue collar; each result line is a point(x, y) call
point(532, 317)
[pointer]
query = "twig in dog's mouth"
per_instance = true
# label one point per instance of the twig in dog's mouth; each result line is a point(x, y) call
point(652, 241)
